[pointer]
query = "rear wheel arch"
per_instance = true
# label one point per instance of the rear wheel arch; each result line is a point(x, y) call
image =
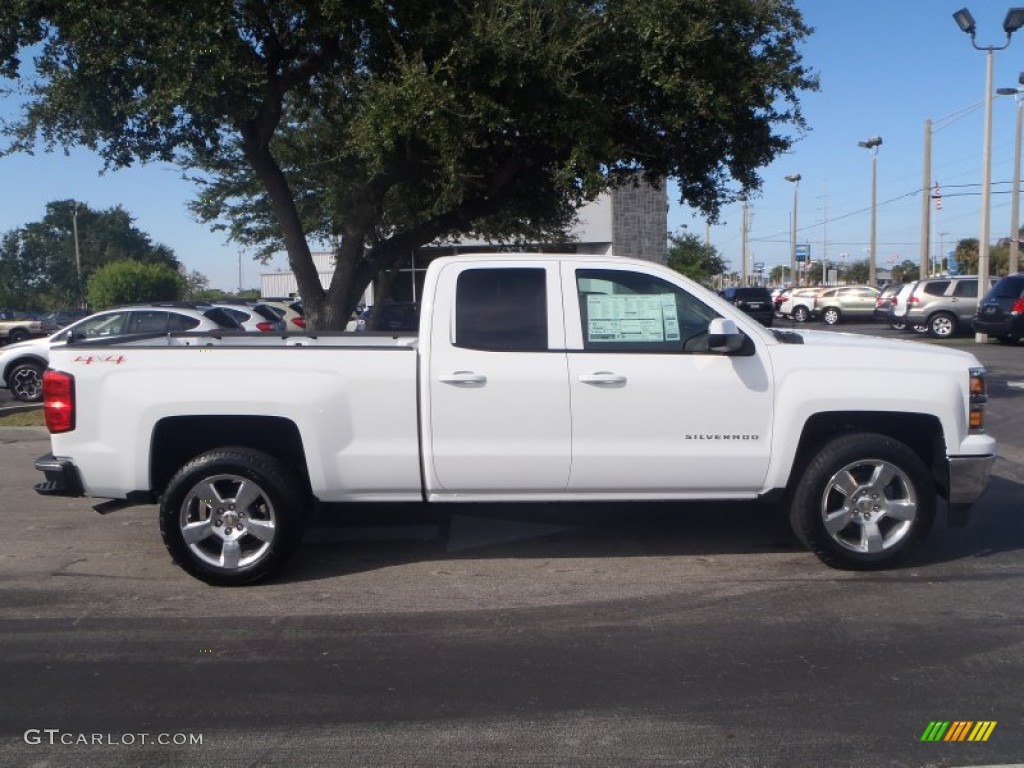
point(177, 440)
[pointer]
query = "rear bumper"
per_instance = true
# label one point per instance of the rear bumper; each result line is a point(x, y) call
point(62, 477)
point(1001, 327)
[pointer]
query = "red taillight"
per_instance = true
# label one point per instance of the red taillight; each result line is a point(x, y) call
point(913, 300)
point(299, 321)
point(59, 401)
point(1018, 307)
point(265, 327)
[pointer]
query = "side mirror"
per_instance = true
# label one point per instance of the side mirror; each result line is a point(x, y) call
point(724, 336)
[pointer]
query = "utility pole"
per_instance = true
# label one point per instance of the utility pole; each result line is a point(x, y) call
point(746, 236)
point(926, 202)
point(824, 241)
point(78, 256)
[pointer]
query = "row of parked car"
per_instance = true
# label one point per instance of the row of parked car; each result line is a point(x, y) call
point(939, 306)
point(25, 357)
point(23, 360)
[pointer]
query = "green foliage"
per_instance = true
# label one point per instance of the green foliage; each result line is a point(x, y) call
point(856, 272)
point(38, 268)
point(387, 126)
point(689, 256)
point(906, 272)
point(127, 282)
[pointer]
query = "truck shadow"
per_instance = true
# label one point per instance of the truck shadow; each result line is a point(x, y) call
point(367, 537)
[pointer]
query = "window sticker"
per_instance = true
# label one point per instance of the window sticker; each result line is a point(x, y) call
point(632, 318)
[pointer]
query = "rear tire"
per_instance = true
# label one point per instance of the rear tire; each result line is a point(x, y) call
point(864, 502)
point(18, 334)
point(831, 316)
point(941, 325)
point(232, 516)
point(800, 314)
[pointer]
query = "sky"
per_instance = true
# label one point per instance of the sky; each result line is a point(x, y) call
point(884, 68)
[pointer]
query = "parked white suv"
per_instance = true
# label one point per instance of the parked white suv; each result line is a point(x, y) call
point(22, 364)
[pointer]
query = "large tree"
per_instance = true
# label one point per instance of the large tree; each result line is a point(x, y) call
point(384, 126)
point(39, 266)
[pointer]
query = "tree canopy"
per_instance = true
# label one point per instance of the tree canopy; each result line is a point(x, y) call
point(38, 265)
point(382, 127)
point(130, 282)
point(697, 260)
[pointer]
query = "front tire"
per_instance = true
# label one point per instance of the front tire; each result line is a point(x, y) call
point(865, 501)
point(26, 382)
point(232, 516)
point(18, 334)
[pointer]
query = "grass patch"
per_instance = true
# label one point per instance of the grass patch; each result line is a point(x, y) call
point(24, 419)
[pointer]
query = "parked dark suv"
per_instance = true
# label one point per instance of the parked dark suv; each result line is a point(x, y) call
point(756, 302)
point(1001, 312)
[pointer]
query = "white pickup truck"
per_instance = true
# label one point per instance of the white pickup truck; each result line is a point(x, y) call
point(533, 378)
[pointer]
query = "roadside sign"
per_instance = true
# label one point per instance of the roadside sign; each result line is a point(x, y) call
point(803, 251)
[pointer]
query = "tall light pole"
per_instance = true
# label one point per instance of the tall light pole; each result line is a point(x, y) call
point(1015, 196)
point(1014, 20)
point(873, 144)
point(793, 178)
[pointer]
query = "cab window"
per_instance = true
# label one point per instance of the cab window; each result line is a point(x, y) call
point(502, 309)
point(622, 311)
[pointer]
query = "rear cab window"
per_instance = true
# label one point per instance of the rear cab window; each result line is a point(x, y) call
point(502, 309)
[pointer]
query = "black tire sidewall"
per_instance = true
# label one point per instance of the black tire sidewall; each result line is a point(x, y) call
point(276, 482)
point(805, 510)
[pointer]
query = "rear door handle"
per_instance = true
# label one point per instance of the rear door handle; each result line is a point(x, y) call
point(463, 379)
point(603, 378)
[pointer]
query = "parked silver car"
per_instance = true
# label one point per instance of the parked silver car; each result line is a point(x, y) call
point(847, 302)
point(943, 306)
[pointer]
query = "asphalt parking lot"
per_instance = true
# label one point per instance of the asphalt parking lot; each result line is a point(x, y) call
point(659, 634)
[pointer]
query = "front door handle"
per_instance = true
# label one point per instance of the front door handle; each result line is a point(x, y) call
point(463, 379)
point(603, 378)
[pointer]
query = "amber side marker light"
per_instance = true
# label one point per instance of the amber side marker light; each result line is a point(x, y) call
point(979, 396)
point(59, 401)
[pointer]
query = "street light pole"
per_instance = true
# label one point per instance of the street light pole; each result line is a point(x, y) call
point(1015, 196)
point(873, 144)
point(1013, 21)
point(793, 178)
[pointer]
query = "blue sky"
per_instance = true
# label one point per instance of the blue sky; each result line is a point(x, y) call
point(884, 68)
